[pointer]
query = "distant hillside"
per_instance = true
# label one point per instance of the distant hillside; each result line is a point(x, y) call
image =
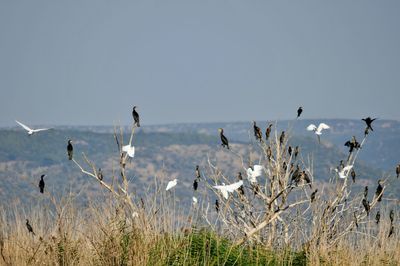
point(163, 153)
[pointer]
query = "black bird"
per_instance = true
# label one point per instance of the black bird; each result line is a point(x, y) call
point(70, 149)
point(269, 153)
point(352, 144)
point(379, 191)
point(312, 197)
point(398, 170)
point(391, 216)
point(135, 116)
point(29, 227)
point(240, 177)
point(290, 150)
point(366, 192)
point(257, 132)
point(378, 217)
point(217, 205)
point(224, 140)
point(282, 138)
point(391, 231)
point(353, 175)
point(296, 175)
point(268, 131)
point(296, 151)
point(299, 111)
point(198, 176)
point(365, 203)
point(305, 177)
point(369, 121)
point(41, 184)
point(195, 184)
point(100, 175)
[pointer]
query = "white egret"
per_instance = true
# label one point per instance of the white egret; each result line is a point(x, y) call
point(130, 150)
point(194, 200)
point(345, 171)
point(229, 188)
point(318, 130)
point(171, 184)
point(252, 174)
point(31, 131)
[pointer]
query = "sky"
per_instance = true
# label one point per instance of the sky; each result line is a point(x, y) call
point(88, 62)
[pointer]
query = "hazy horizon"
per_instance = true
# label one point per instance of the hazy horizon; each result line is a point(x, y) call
point(88, 63)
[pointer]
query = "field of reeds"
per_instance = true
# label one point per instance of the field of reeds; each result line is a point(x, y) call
point(284, 218)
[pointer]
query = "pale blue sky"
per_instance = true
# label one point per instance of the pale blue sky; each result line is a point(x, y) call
point(89, 62)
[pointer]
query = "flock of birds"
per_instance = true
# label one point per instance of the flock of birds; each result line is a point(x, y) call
point(252, 172)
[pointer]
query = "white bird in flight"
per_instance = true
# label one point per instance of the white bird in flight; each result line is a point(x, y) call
point(318, 130)
point(253, 174)
point(345, 171)
point(130, 150)
point(30, 130)
point(229, 188)
point(171, 184)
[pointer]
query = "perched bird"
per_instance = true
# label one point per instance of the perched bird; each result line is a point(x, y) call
point(171, 184)
point(377, 217)
point(269, 153)
point(296, 151)
point(366, 192)
point(239, 176)
point(70, 149)
point(224, 140)
point(398, 170)
point(353, 175)
point(369, 121)
point(312, 197)
point(299, 111)
point(254, 172)
point(30, 130)
point(306, 178)
point(225, 189)
point(345, 171)
point(194, 199)
point(257, 132)
point(282, 138)
point(217, 205)
point(296, 175)
point(391, 216)
point(318, 130)
point(130, 150)
point(198, 175)
point(100, 174)
point(268, 131)
point(135, 116)
point(352, 144)
point(379, 191)
point(290, 150)
point(195, 184)
point(41, 184)
point(365, 203)
point(29, 227)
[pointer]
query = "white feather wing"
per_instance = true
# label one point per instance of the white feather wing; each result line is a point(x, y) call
point(311, 127)
point(24, 126)
point(322, 126)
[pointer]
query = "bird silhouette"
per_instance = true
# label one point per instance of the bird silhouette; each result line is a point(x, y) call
point(296, 151)
point(41, 184)
point(282, 138)
point(379, 191)
point(312, 197)
point(299, 111)
point(398, 170)
point(29, 227)
point(365, 203)
point(353, 175)
point(377, 217)
point(224, 140)
point(318, 130)
point(352, 144)
point(135, 115)
point(100, 174)
point(70, 149)
point(306, 178)
point(31, 131)
point(366, 192)
point(369, 121)
point(226, 189)
point(198, 175)
point(268, 131)
point(391, 231)
point(391, 216)
point(290, 150)
point(257, 132)
point(195, 184)
point(217, 205)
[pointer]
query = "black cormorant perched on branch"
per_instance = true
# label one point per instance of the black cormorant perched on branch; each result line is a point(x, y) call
point(100, 175)
point(369, 121)
point(70, 149)
point(282, 138)
point(352, 144)
point(268, 131)
point(224, 140)
point(365, 203)
point(353, 175)
point(195, 184)
point(379, 191)
point(217, 205)
point(135, 116)
point(198, 176)
point(299, 111)
point(29, 227)
point(41, 184)
point(312, 197)
point(257, 132)
point(398, 170)
point(378, 217)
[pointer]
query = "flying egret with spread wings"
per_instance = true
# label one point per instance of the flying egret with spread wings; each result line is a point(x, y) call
point(253, 173)
point(130, 150)
point(345, 171)
point(229, 188)
point(31, 131)
point(318, 130)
